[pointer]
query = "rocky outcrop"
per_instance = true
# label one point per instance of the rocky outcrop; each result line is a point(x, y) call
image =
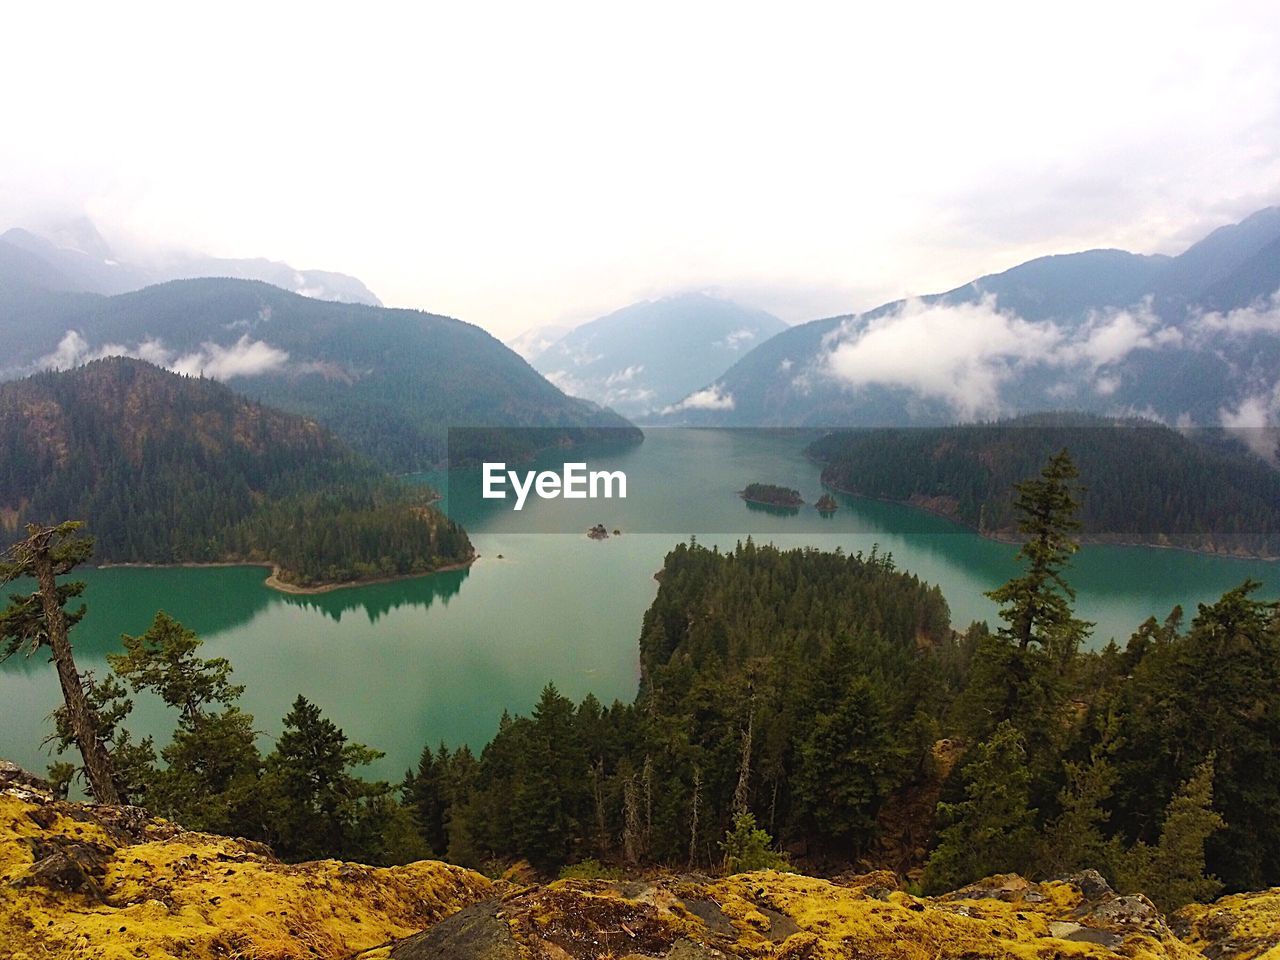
point(1243, 926)
point(790, 917)
point(109, 883)
point(112, 883)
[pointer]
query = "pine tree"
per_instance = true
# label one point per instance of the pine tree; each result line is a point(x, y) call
point(1036, 606)
point(1173, 872)
point(993, 829)
point(210, 777)
point(320, 807)
point(163, 660)
point(132, 763)
point(40, 619)
point(1074, 839)
point(548, 794)
point(746, 847)
point(844, 766)
point(423, 792)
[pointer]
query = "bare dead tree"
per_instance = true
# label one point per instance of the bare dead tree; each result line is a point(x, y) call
point(741, 791)
point(631, 839)
point(694, 813)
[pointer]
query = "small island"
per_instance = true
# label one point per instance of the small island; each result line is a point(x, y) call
point(599, 532)
point(827, 504)
point(771, 495)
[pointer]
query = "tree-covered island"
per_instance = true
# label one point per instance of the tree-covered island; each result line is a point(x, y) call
point(771, 495)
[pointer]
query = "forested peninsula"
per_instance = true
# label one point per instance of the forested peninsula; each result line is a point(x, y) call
point(169, 469)
point(1146, 484)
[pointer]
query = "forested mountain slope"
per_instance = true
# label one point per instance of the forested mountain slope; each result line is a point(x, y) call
point(167, 468)
point(1142, 482)
point(389, 382)
point(1193, 337)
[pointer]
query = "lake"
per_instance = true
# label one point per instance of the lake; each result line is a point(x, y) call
point(400, 664)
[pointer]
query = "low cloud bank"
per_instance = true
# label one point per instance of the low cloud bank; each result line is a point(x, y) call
point(244, 358)
point(964, 353)
point(710, 398)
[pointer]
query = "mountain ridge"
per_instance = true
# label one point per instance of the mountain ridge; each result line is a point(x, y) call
point(79, 259)
point(1103, 326)
point(388, 381)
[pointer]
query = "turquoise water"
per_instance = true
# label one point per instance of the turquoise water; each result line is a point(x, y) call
point(400, 664)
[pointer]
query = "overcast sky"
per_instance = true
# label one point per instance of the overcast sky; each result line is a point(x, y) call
point(523, 164)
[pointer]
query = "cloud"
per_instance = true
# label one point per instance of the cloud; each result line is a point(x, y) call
point(710, 398)
point(737, 339)
point(70, 352)
point(624, 376)
point(1109, 336)
point(958, 353)
point(1106, 385)
point(963, 353)
point(244, 358)
point(1260, 317)
point(1254, 421)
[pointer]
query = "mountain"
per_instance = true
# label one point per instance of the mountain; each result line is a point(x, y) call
point(645, 357)
point(1142, 482)
point(167, 469)
point(389, 382)
point(75, 256)
point(1191, 338)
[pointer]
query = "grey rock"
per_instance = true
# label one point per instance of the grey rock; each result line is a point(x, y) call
point(474, 933)
point(1091, 884)
point(1065, 930)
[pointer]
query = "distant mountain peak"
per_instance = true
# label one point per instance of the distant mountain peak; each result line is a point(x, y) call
point(77, 257)
point(1194, 338)
point(650, 354)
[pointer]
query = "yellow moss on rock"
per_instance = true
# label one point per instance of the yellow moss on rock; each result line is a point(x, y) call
point(110, 883)
point(838, 922)
point(1243, 926)
point(192, 895)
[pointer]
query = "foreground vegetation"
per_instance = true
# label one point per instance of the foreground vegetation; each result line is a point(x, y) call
point(101, 883)
point(795, 706)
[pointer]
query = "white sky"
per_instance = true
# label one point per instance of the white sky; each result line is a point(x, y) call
point(521, 164)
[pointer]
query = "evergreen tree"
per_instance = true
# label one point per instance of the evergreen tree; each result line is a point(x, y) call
point(212, 764)
point(132, 763)
point(993, 829)
point(1173, 872)
point(1036, 606)
point(163, 660)
point(423, 792)
point(1214, 690)
point(548, 795)
point(319, 807)
point(1075, 839)
point(746, 847)
point(39, 619)
point(844, 766)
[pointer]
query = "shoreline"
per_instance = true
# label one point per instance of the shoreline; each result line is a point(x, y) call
point(1092, 540)
point(274, 582)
